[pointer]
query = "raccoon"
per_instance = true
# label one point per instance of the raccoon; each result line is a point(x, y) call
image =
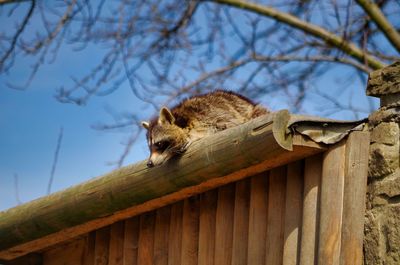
point(175, 129)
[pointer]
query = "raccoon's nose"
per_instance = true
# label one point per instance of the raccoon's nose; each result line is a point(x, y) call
point(150, 163)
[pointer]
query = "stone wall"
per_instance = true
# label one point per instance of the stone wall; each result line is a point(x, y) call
point(382, 223)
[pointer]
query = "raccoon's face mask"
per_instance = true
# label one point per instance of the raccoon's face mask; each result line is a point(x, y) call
point(165, 138)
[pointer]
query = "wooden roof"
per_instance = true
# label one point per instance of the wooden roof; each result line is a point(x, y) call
point(264, 143)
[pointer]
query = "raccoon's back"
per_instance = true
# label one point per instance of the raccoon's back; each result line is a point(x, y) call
point(217, 110)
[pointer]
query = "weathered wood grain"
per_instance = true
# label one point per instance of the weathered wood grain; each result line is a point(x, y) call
point(88, 256)
point(69, 253)
point(161, 235)
point(175, 234)
point(208, 209)
point(258, 215)
point(146, 239)
point(331, 212)
point(276, 216)
point(355, 188)
point(131, 241)
point(293, 213)
point(102, 243)
point(307, 212)
point(224, 225)
point(234, 154)
point(116, 249)
point(310, 220)
point(190, 230)
point(241, 222)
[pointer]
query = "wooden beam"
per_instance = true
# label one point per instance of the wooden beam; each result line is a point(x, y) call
point(293, 213)
point(311, 203)
point(355, 188)
point(332, 190)
point(225, 157)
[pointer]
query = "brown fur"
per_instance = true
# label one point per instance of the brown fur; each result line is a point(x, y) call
point(173, 130)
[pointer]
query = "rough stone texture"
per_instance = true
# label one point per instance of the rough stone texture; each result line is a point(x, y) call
point(391, 229)
point(382, 236)
point(382, 219)
point(388, 187)
point(386, 133)
point(384, 191)
point(372, 240)
point(384, 81)
point(391, 100)
point(384, 160)
point(384, 115)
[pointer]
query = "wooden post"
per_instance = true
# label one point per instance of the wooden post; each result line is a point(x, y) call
point(355, 188)
point(309, 232)
point(208, 209)
point(276, 216)
point(332, 188)
point(258, 215)
point(293, 209)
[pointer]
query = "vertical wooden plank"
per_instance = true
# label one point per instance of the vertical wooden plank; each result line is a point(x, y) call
point(258, 216)
point(116, 249)
point(294, 199)
point(241, 222)
point(175, 234)
point(224, 225)
point(69, 253)
point(190, 230)
point(88, 256)
point(161, 235)
point(276, 216)
point(208, 209)
point(131, 241)
point(355, 188)
point(146, 238)
point(101, 246)
point(309, 229)
point(332, 186)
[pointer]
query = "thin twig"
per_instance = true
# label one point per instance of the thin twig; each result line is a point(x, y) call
point(5, 2)
point(17, 34)
point(381, 21)
point(53, 167)
point(132, 139)
point(321, 33)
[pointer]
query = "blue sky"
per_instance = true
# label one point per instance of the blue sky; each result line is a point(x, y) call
point(30, 121)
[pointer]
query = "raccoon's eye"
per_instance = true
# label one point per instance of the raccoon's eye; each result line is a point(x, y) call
point(162, 145)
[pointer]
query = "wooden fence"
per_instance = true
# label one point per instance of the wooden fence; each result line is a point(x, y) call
point(307, 211)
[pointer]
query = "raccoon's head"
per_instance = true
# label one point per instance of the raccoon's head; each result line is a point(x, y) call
point(164, 137)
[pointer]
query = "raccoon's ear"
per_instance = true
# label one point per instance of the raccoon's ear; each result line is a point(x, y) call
point(166, 116)
point(145, 125)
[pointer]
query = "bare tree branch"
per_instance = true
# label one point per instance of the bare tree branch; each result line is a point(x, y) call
point(53, 167)
point(256, 58)
point(4, 2)
point(16, 36)
point(322, 58)
point(314, 30)
point(51, 35)
point(128, 146)
point(381, 21)
point(164, 51)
